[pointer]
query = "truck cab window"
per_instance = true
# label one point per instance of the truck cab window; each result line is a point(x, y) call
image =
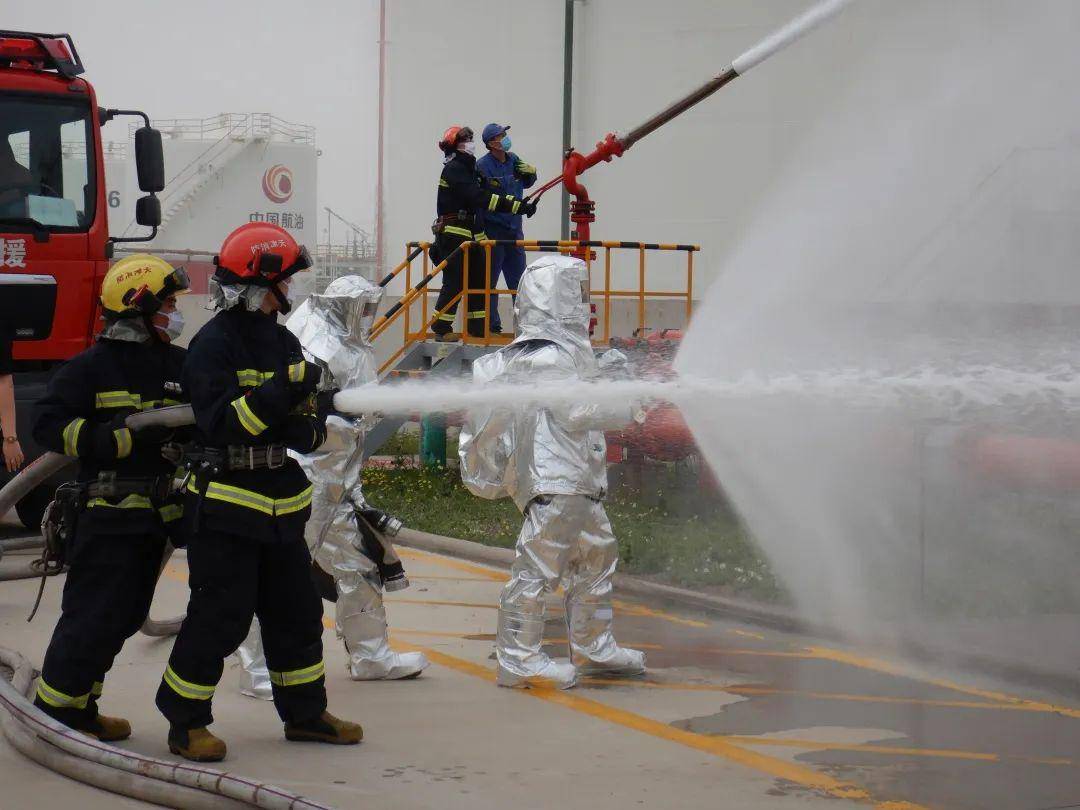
point(46, 163)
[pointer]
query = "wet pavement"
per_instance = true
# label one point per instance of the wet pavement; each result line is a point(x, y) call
point(729, 715)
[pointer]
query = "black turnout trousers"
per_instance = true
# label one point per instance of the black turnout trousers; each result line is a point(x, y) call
point(107, 597)
point(232, 578)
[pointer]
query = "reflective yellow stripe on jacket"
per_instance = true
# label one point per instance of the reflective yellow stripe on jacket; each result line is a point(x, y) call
point(117, 399)
point(71, 436)
point(250, 422)
point(123, 442)
point(103, 400)
point(275, 507)
point(250, 377)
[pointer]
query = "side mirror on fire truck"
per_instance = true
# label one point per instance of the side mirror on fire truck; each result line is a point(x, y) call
point(149, 160)
point(148, 211)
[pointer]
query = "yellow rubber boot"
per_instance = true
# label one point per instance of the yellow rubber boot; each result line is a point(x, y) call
point(109, 729)
point(198, 745)
point(325, 729)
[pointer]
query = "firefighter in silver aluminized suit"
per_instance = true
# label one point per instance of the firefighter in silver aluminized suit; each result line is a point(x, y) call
point(551, 461)
point(348, 538)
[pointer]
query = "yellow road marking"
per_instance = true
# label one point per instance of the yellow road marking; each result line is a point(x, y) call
point(747, 634)
point(635, 609)
point(717, 746)
point(766, 690)
point(450, 562)
point(630, 608)
point(470, 637)
point(888, 668)
point(943, 753)
point(441, 603)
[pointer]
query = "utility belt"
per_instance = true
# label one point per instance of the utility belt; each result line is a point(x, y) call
point(214, 460)
point(462, 224)
point(108, 485)
point(463, 218)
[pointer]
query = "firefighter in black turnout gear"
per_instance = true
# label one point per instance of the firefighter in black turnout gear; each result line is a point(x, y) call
point(254, 397)
point(121, 502)
point(462, 199)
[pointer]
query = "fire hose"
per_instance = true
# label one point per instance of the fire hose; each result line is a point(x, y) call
point(58, 748)
point(170, 784)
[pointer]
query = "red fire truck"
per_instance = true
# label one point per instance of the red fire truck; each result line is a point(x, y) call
point(54, 240)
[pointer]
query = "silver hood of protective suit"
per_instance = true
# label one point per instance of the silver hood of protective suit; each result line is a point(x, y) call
point(529, 451)
point(132, 330)
point(334, 327)
point(226, 296)
point(549, 306)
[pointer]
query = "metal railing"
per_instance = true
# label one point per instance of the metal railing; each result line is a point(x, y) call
point(240, 126)
point(418, 294)
point(113, 150)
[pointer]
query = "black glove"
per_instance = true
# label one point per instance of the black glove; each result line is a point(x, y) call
point(113, 439)
point(324, 403)
point(303, 379)
point(528, 208)
point(152, 434)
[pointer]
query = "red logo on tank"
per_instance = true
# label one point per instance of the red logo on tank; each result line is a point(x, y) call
point(277, 184)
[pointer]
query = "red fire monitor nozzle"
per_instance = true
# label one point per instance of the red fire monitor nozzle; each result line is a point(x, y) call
point(582, 209)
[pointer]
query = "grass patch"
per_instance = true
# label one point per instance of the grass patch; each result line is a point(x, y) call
point(668, 527)
point(407, 443)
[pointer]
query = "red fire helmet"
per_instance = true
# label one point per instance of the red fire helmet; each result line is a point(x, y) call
point(452, 136)
point(260, 253)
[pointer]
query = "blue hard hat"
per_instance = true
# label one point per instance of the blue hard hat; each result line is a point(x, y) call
point(493, 131)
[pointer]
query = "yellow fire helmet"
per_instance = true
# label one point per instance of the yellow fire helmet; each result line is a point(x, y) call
point(137, 286)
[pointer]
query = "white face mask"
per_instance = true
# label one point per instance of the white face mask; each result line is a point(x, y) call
point(174, 327)
point(468, 147)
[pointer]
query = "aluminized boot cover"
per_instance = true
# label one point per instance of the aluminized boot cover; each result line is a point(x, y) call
point(254, 674)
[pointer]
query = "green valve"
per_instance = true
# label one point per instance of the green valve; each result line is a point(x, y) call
point(433, 440)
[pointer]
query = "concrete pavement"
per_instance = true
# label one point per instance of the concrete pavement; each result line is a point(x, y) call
point(730, 716)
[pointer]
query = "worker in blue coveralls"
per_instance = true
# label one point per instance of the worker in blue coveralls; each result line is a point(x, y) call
point(505, 173)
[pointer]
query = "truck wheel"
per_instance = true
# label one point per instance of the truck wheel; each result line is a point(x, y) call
point(31, 509)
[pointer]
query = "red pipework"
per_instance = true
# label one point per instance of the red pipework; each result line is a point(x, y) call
point(575, 163)
point(582, 209)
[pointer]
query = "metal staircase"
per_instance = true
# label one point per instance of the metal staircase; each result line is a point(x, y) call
point(185, 188)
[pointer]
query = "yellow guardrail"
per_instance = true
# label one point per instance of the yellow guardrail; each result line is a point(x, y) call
point(421, 291)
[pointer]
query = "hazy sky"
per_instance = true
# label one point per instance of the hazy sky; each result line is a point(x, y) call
point(308, 62)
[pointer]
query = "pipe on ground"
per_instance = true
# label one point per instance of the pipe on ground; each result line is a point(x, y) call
point(21, 544)
point(173, 784)
point(21, 572)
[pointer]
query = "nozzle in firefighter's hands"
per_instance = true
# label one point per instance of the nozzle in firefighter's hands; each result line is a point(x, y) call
point(528, 208)
point(381, 521)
